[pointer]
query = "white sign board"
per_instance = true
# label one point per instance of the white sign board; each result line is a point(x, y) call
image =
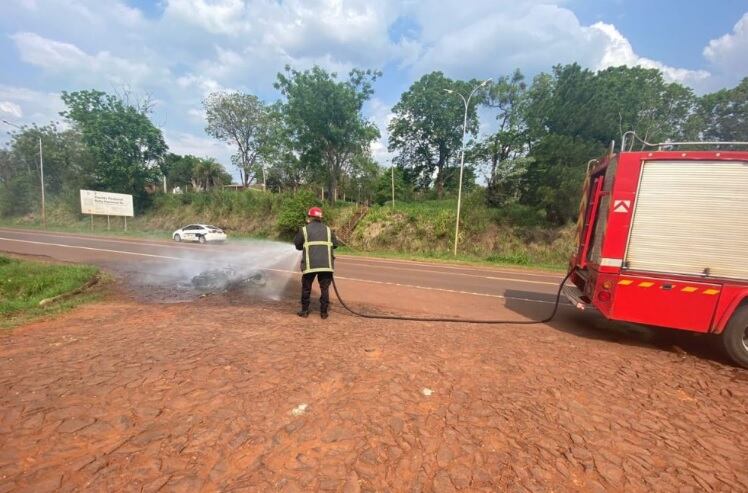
point(106, 203)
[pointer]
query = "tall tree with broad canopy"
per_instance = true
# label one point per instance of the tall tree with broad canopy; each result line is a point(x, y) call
point(723, 115)
point(503, 149)
point(125, 145)
point(244, 121)
point(324, 118)
point(573, 115)
point(426, 130)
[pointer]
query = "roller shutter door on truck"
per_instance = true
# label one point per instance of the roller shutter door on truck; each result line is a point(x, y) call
point(691, 218)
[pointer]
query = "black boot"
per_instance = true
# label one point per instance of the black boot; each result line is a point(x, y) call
point(323, 315)
point(303, 313)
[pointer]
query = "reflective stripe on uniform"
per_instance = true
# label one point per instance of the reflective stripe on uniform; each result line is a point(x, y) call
point(329, 247)
point(306, 249)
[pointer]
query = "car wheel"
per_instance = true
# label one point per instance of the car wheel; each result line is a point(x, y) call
point(202, 240)
point(177, 238)
point(735, 337)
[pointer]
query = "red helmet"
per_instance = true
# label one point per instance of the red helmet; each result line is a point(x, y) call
point(315, 212)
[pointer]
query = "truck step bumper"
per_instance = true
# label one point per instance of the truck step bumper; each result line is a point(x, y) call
point(574, 295)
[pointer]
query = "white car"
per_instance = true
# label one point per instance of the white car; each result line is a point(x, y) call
point(202, 233)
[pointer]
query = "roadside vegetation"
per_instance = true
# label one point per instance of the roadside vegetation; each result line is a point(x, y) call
point(313, 145)
point(25, 285)
point(413, 230)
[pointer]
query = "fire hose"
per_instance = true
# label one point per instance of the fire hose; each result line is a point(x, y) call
point(458, 320)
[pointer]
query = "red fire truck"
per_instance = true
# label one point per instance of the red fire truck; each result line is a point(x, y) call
point(663, 240)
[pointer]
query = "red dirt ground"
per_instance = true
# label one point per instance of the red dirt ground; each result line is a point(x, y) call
point(122, 396)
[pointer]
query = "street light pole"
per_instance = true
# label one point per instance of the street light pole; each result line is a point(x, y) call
point(462, 155)
point(41, 172)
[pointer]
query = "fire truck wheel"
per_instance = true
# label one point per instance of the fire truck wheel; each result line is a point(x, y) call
point(735, 337)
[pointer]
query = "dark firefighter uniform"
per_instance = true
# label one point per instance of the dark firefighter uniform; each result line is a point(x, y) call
point(317, 242)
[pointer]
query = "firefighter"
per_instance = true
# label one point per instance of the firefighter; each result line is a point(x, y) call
point(317, 242)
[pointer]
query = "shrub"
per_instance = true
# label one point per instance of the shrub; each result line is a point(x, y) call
point(292, 213)
point(16, 197)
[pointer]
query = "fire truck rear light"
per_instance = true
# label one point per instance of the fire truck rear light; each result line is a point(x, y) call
point(607, 285)
point(603, 296)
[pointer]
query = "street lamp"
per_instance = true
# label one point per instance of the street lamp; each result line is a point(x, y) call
point(462, 153)
point(41, 171)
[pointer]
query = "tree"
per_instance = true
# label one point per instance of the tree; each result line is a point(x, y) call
point(362, 178)
point(555, 175)
point(403, 191)
point(201, 173)
point(573, 114)
point(208, 173)
point(67, 162)
point(287, 170)
point(15, 186)
point(601, 106)
point(244, 121)
point(426, 130)
point(324, 119)
point(723, 115)
point(178, 169)
point(124, 144)
point(502, 150)
point(452, 179)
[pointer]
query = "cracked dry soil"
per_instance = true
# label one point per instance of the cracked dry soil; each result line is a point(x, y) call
point(220, 396)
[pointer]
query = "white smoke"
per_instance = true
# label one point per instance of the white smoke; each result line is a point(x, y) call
point(254, 267)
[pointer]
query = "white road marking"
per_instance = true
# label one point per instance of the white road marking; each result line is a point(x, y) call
point(62, 245)
point(166, 257)
point(165, 244)
point(443, 266)
point(493, 278)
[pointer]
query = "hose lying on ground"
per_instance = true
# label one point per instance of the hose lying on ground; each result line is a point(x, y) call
point(459, 320)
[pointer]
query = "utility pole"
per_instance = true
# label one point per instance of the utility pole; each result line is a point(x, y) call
point(393, 186)
point(462, 154)
point(41, 178)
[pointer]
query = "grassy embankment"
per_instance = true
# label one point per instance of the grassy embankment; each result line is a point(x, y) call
point(418, 230)
point(24, 284)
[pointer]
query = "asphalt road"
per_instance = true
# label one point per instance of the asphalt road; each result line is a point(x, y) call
point(140, 255)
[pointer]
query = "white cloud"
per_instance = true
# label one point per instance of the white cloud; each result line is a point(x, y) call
point(61, 57)
point(200, 146)
point(197, 114)
point(218, 17)
point(11, 108)
point(32, 106)
point(194, 47)
point(23, 106)
point(489, 38)
point(204, 84)
point(730, 52)
point(381, 115)
point(618, 51)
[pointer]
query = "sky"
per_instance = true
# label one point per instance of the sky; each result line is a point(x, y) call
point(178, 51)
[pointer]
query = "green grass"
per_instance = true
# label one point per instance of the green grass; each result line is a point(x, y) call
point(23, 284)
